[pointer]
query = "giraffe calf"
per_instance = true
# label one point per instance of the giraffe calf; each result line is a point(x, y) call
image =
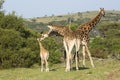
point(44, 55)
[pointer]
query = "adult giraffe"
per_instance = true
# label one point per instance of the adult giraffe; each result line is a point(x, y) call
point(69, 39)
point(80, 36)
point(84, 29)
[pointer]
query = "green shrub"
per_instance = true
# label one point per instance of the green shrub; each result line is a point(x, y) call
point(54, 48)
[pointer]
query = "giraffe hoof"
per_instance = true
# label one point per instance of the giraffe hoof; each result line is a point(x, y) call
point(76, 69)
point(47, 70)
point(67, 70)
point(41, 70)
point(93, 66)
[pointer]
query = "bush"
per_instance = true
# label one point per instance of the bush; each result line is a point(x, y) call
point(54, 48)
point(98, 48)
point(18, 46)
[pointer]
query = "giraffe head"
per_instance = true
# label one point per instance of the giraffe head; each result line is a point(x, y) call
point(102, 11)
point(46, 34)
point(43, 36)
point(50, 27)
point(38, 39)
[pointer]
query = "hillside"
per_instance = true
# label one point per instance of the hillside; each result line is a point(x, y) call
point(75, 16)
point(78, 18)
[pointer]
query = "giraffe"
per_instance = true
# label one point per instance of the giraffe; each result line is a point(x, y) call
point(68, 40)
point(44, 55)
point(80, 36)
point(84, 29)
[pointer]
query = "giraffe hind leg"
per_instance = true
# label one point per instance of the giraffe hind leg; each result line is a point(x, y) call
point(69, 57)
point(77, 45)
point(76, 59)
point(83, 52)
point(89, 54)
point(46, 63)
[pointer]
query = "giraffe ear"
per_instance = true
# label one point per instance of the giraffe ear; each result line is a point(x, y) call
point(101, 8)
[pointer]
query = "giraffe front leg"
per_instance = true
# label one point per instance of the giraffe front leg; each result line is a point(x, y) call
point(42, 63)
point(67, 56)
point(47, 69)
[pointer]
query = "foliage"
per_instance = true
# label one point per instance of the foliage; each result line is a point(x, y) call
point(64, 22)
point(54, 48)
point(15, 51)
point(98, 48)
point(1, 3)
point(37, 26)
point(73, 26)
point(109, 45)
point(18, 44)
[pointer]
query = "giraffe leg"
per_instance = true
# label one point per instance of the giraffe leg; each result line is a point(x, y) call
point(77, 45)
point(89, 54)
point(67, 55)
point(64, 56)
point(70, 47)
point(68, 62)
point(42, 63)
point(76, 60)
point(46, 63)
point(77, 49)
point(83, 51)
point(66, 48)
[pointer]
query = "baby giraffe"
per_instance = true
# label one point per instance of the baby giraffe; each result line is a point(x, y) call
point(44, 55)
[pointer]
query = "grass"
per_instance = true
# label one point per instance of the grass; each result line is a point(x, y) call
point(106, 69)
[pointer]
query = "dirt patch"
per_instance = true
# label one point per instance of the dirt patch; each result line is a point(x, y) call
point(114, 75)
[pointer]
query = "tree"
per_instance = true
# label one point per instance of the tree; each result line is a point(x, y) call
point(80, 14)
point(1, 3)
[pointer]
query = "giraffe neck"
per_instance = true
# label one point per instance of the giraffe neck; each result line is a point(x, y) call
point(87, 27)
point(94, 21)
point(40, 44)
point(62, 30)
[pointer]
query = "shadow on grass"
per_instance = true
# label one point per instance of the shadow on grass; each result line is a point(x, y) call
point(80, 68)
point(73, 68)
point(53, 69)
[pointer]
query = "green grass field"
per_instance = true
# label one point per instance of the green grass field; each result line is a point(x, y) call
point(106, 69)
